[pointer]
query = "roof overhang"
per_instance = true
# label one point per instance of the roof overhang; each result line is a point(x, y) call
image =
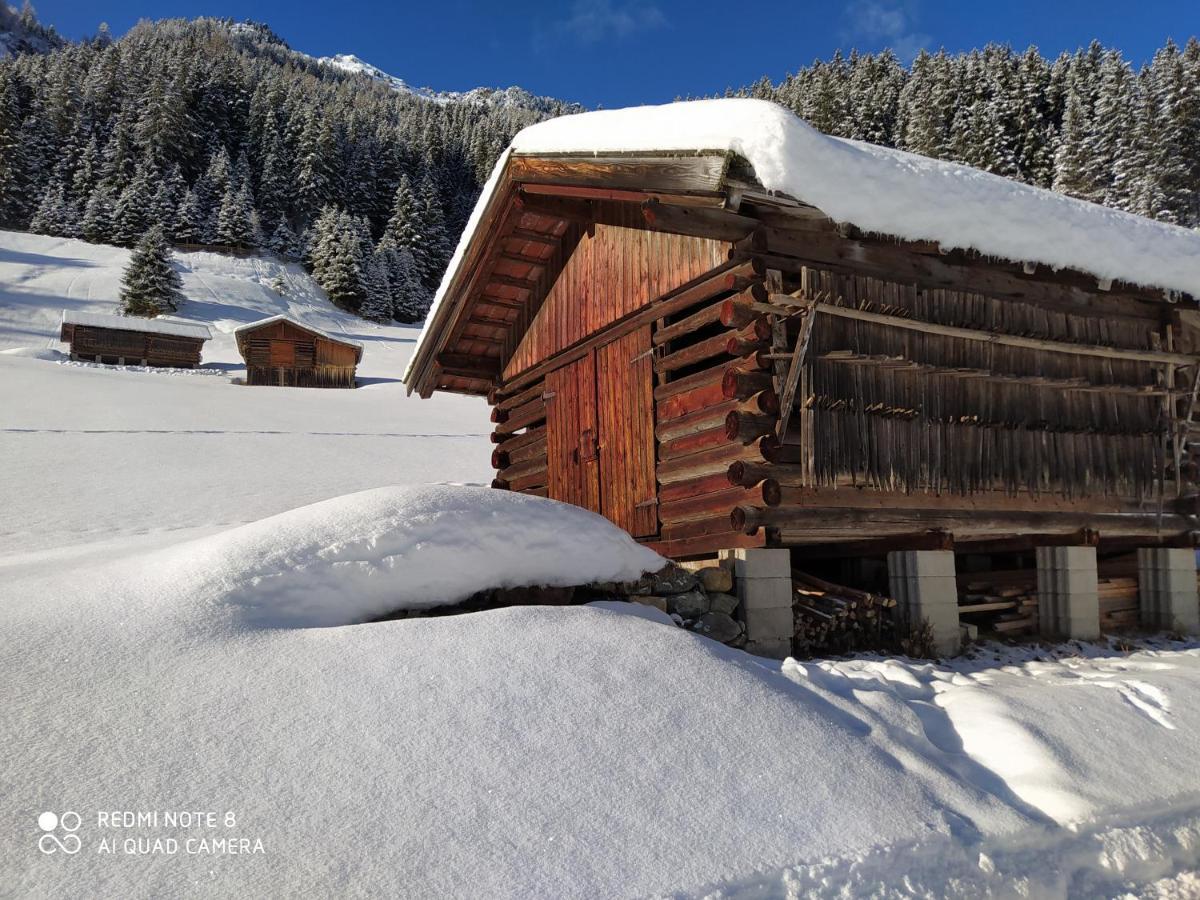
point(533, 211)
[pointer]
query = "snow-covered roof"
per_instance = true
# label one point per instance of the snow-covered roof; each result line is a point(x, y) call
point(175, 327)
point(873, 188)
point(253, 326)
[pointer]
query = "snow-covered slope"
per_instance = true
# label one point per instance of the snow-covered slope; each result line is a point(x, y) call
point(193, 452)
point(503, 97)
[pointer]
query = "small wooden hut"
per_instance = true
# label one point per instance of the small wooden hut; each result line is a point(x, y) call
point(283, 352)
point(713, 363)
point(132, 341)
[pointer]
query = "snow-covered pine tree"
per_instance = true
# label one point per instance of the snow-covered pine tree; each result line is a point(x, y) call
point(10, 142)
point(191, 223)
point(434, 241)
point(1070, 160)
point(97, 224)
point(135, 209)
point(235, 222)
point(377, 296)
point(52, 216)
point(409, 297)
point(284, 241)
point(151, 286)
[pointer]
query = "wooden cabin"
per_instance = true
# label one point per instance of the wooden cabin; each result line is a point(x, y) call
point(713, 364)
point(283, 352)
point(132, 341)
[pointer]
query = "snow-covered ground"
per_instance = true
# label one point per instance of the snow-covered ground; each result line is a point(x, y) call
point(97, 457)
point(167, 539)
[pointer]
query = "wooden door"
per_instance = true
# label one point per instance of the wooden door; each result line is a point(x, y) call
point(600, 433)
point(625, 392)
point(573, 469)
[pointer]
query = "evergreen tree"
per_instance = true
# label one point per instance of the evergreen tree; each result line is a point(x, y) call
point(235, 221)
point(150, 285)
point(284, 241)
point(191, 223)
point(97, 225)
point(134, 212)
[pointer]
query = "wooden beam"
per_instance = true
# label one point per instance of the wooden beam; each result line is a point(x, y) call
point(716, 201)
point(506, 302)
point(893, 260)
point(557, 207)
point(465, 366)
point(523, 284)
point(791, 380)
point(524, 258)
point(921, 540)
point(850, 357)
point(533, 237)
point(716, 224)
point(703, 172)
point(989, 337)
point(819, 525)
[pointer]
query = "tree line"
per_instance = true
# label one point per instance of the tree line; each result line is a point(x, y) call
point(1088, 124)
point(217, 133)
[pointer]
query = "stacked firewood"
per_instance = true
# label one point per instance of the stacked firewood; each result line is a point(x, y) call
point(1118, 591)
point(834, 618)
point(1004, 602)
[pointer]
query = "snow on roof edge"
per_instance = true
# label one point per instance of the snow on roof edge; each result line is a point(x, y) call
point(178, 328)
point(877, 189)
point(280, 317)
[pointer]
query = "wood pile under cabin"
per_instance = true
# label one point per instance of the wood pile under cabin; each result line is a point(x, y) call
point(716, 364)
point(286, 353)
point(132, 340)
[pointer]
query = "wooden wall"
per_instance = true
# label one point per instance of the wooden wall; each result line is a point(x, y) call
point(282, 354)
point(134, 347)
point(614, 271)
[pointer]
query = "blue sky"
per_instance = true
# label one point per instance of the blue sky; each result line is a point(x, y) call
point(616, 53)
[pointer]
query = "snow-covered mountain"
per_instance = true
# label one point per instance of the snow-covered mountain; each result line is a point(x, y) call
point(21, 33)
point(502, 97)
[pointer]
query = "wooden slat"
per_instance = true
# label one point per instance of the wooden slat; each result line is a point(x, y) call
point(626, 432)
point(990, 337)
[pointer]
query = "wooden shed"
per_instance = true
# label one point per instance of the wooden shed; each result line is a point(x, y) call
point(132, 341)
point(713, 363)
point(286, 353)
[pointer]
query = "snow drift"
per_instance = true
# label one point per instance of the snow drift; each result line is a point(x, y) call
point(352, 558)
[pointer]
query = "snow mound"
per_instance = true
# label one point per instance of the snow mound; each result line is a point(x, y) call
point(355, 557)
point(34, 353)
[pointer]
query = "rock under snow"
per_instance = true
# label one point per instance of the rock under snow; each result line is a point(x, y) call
point(353, 558)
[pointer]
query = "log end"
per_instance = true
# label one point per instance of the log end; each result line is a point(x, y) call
point(742, 519)
point(772, 493)
point(499, 459)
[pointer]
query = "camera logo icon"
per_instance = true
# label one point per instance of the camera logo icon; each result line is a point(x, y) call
point(52, 825)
